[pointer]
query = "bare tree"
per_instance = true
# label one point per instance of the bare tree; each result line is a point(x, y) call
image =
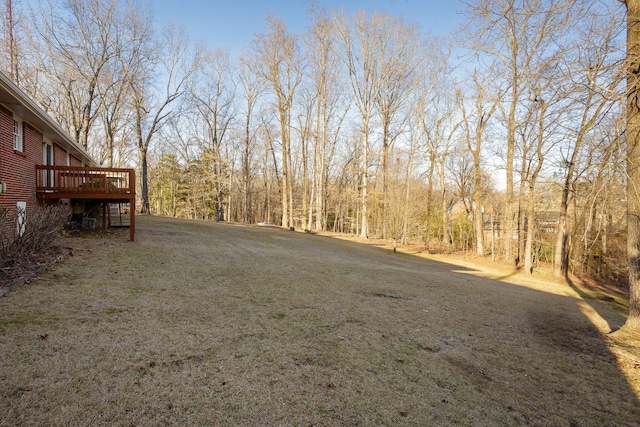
point(399, 47)
point(251, 90)
point(358, 35)
point(114, 110)
point(73, 49)
point(483, 110)
point(435, 105)
point(11, 44)
point(414, 131)
point(324, 70)
point(306, 103)
point(212, 97)
point(268, 168)
point(173, 62)
point(280, 65)
point(533, 167)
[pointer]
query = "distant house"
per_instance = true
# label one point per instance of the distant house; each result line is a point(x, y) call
point(547, 221)
point(41, 164)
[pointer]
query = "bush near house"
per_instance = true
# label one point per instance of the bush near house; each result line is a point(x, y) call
point(41, 228)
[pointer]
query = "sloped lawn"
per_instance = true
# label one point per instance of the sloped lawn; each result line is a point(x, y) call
point(205, 324)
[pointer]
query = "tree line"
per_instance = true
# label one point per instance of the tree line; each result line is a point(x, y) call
point(506, 138)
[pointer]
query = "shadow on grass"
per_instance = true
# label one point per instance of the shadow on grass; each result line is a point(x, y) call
point(614, 319)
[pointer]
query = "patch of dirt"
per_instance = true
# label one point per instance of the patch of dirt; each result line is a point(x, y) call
point(205, 324)
point(30, 266)
point(34, 264)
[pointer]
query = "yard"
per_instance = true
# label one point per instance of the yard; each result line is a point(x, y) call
point(205, 324)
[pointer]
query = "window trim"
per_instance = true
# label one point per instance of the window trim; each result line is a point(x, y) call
point(18, 135)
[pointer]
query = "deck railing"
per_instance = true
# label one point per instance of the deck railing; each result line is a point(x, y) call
point(85, 180)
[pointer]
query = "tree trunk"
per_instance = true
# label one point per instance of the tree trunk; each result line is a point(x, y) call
point(560, 268)
point(290, 179)
point(477, 194)
point(246, 171)
point(285, 171)
point(511, 142)
point(528, 248)
point(633, 162)
point(522, 212)
point(477, 217)
point(13, 55)
point(407, 194)
point(385, 178)
point(144, 182)
point(432, 165)
point(365, 172)
point(446, 234)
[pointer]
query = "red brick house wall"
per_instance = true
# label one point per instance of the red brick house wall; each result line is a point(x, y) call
point(74, 161)
point(6, 154)
point(59, 155)
point(6, 159)
point(17, 169)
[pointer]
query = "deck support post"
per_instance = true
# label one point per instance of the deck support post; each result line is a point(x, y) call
point(132, 204)
point(104, 216)
point(132, 218)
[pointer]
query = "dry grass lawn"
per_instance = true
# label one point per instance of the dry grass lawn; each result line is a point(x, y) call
point(204, 324)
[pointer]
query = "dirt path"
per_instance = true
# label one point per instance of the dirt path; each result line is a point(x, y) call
point(211, 324)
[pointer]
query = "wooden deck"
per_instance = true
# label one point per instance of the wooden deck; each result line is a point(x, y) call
point(108, 185)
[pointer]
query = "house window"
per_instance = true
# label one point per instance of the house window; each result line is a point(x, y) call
point(17, 135)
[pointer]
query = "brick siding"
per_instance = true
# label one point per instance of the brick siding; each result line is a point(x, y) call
point(74, 161)
point(18, 169)
point(59, 155)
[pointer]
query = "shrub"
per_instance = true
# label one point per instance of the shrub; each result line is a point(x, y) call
point(43, 225)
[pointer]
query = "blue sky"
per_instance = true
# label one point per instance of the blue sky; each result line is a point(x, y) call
point(232, 23)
